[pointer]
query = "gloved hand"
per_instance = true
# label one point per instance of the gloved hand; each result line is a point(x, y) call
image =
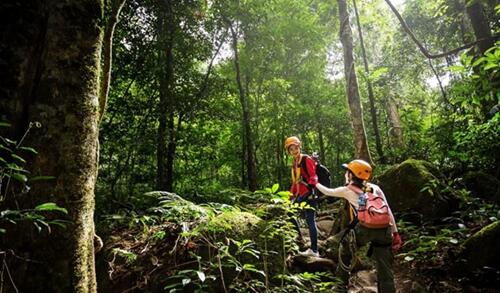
point(396, 241)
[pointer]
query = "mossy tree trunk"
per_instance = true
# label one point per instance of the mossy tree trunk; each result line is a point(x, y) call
point(50, 62)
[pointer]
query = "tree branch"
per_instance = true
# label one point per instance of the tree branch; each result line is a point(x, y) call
point(422, 48)
point(108, 55)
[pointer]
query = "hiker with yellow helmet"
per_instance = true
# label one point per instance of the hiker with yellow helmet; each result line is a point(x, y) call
point(304, 180)
point(381, 239)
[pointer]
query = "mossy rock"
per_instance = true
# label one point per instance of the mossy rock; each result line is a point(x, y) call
point(483, 185)
point(416, 186)
point(234, 224)
point(239, 226)
point(481, 249)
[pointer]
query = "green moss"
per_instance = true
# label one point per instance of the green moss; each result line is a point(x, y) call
point(415, 186)
point(233, 223)
point(481, 249)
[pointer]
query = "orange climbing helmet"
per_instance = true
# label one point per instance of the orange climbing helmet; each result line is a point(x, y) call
point(359, 168)
point(292, 140)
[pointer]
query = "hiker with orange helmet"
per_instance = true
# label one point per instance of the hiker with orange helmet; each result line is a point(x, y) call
point(304, 180)
point(381, 239)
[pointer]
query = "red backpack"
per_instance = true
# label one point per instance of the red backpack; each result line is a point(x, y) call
point(373, 211)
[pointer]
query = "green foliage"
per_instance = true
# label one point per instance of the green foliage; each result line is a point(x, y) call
point(305, 282)
point(424, 247)
point(12, 167)
point(474, 132)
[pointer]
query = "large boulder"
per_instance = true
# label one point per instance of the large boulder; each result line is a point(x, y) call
point(416, 186)
point(483, 185)
point(481, 249)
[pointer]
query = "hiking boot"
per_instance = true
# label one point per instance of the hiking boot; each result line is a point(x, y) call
point(309, 252)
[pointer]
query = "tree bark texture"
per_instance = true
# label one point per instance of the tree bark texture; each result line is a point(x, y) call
point(49, 72)
point(396, 131)
point(247, 131)
point(480, 25)
point(165, 111)
point(371, 97)
point(353, 98)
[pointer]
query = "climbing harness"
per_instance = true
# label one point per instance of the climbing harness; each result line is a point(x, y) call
point(350, 239)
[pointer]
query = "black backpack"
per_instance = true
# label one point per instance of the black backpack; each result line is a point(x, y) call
point(321, 171)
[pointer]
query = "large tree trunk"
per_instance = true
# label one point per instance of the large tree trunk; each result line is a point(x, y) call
point(247, 133)
point(360, 142)
point(371, 98)
point(482, 32)
point(165, 111)
point(480, 25)
point(50, 59)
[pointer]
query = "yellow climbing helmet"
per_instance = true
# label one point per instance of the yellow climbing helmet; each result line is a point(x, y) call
point(359, 168)
point(292, 140)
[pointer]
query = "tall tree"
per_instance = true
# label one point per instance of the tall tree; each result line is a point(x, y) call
point(50, 61)
point(353, 97)
point(371, 98)
point(247, 130)
point(165, 151)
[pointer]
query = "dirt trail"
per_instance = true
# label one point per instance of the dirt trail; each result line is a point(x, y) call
point(366, 282)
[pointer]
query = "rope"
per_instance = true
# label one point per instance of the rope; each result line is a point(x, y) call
point(351, 243)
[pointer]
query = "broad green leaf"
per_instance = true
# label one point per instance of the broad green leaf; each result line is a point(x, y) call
point(31, 150)
point(5, 213)
point(490, 65)
point(10, 141)
point(18, 158)
point(478, 61)
point(50, 206)
point(20, 177)
point(16, 168)
point(60, 223)
point(456, 68)
point(275, 187)
point(5, 148)
point(4, 124)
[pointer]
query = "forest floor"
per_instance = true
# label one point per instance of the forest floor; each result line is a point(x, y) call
point(139, 258)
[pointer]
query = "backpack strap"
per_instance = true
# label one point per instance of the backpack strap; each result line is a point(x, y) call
point(353, 212)
point(303, 166)
point(303, 163)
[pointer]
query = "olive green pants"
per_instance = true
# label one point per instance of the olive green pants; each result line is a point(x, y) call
point(380, 241)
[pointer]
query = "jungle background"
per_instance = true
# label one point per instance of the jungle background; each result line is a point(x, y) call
point(142, 141)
